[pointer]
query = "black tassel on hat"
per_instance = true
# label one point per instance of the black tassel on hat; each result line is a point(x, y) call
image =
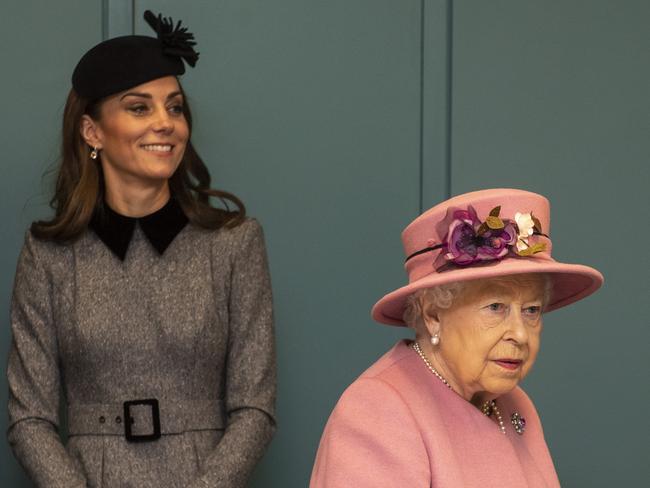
point(121, 63)
point(176, 40)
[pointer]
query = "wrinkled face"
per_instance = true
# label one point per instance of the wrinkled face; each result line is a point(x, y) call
point(489, 337)
point(142, 132)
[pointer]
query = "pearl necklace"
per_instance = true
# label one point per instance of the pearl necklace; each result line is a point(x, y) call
point(489, 407)
point(417, 349)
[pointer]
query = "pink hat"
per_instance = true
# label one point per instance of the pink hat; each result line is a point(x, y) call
point(484, 234)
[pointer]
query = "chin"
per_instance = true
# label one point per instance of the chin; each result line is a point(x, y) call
point(161, 172)
point(502, 387)
point(165, 175)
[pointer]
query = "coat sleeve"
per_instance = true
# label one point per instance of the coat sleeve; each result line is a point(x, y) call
point(371, 440)
point(34, 378)
point(250, 368)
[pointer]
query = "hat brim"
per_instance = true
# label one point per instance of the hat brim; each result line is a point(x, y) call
point(571, 282)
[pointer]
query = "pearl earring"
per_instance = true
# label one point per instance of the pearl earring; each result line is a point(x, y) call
point(94, 153)
point(435, 339)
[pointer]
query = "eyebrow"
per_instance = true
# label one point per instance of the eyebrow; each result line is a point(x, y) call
point(148, 95)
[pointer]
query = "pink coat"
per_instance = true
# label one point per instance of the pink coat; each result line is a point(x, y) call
point(399, 426)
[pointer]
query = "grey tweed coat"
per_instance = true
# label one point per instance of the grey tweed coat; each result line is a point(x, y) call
point(191, 328)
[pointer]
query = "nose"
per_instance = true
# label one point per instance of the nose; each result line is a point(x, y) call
point(517, 330)
point(162, 121)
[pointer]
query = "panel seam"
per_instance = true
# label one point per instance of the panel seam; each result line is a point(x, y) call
point(105, 26)
point(449, 95)
point(421, 155)
point(133, 17)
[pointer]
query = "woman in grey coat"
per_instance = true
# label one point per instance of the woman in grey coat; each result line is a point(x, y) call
point(141, 309)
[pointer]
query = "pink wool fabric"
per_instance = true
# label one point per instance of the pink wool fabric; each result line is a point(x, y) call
point(398, 425)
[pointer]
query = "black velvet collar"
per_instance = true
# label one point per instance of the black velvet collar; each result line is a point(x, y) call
point(161, 227)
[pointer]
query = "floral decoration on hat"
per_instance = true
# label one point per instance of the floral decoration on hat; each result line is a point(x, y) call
point(176, 40)
point(467, 240)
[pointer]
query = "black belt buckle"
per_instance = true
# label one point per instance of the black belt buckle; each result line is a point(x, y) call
point(155, 418)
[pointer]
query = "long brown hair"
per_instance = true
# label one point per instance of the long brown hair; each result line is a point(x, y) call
point(79, 188)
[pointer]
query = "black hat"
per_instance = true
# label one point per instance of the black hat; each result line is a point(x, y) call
point(124, 62)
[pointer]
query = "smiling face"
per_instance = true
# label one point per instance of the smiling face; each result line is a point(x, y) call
point(490, 336)
point(141, 134)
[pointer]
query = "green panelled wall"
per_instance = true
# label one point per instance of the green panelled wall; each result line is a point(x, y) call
point(336, 122)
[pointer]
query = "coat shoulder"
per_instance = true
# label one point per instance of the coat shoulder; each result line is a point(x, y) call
point(232, 237)
point(52, 258)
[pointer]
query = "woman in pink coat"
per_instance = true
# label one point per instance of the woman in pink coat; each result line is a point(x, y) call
point(444, 410)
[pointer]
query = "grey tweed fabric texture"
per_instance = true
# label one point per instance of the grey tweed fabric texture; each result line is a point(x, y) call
point(190, 327)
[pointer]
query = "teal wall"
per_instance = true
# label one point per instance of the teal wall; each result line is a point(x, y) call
point(337, 122)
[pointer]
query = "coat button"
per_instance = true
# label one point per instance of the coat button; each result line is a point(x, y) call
point(102, 419)
point(118, 420)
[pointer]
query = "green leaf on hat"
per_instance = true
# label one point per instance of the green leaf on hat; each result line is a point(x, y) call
point(495, 211)
point(494, 222)
point(538, 224)
point(482, 229)
point(535, 248)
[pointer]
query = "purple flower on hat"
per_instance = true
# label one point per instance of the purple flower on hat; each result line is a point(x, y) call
point(468, 240)
point(496, 243)
point(460, 242)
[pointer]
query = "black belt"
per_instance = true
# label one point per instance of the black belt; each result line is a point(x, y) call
point(145, 420)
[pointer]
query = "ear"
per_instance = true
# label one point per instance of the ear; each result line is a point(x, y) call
point(430, 318)
point(90, 131)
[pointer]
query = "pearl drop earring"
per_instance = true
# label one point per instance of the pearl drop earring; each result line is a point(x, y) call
point(435, 339)
point(94, 153)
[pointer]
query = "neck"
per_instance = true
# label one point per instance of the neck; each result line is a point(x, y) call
point(478, 399)
point(432, 353)
point(137, 201)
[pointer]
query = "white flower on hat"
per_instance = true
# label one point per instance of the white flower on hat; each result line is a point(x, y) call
point(526, 225)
